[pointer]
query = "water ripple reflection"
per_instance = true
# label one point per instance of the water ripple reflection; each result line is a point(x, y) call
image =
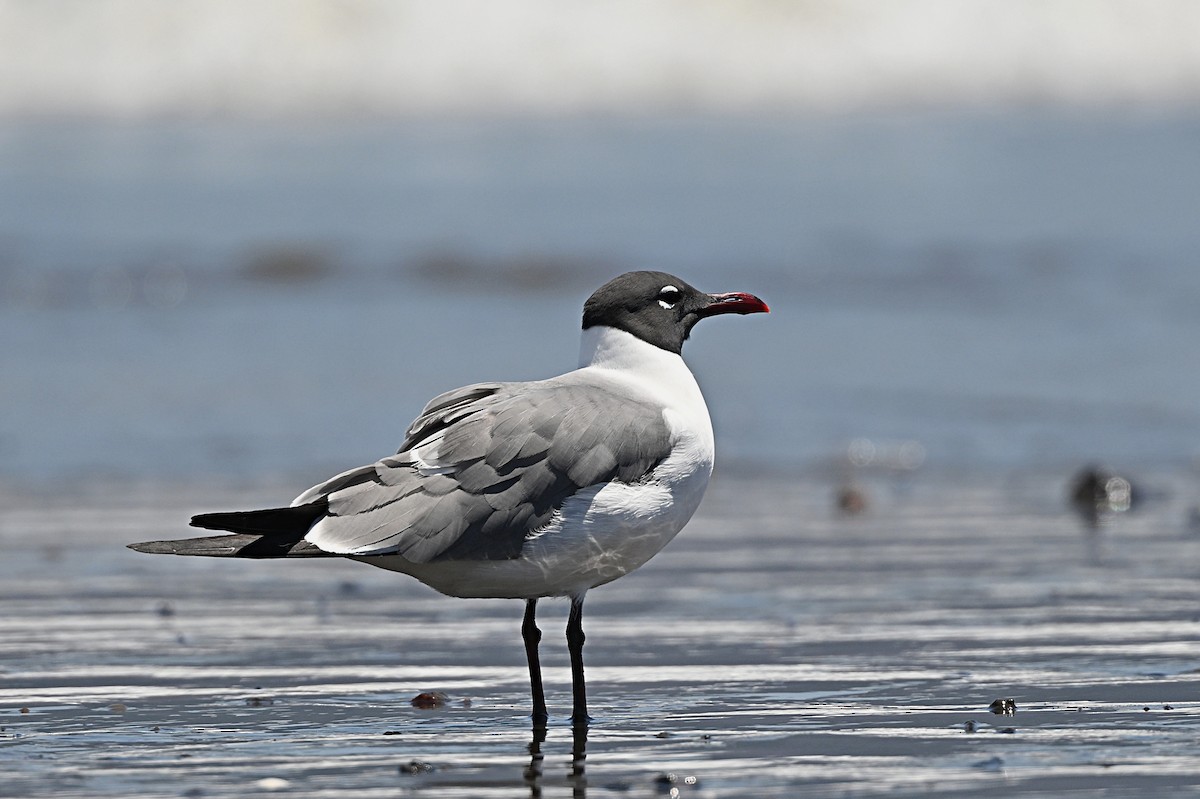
point(787, 651)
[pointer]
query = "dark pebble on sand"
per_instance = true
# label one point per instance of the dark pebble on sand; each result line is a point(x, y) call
point(1003, 707)
point(416, 767)
point(430, 699)
point(851, 500)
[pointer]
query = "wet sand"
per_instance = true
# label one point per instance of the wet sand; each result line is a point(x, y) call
point(775, 649)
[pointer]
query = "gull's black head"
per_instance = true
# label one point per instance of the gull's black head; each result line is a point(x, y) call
point(659, 308)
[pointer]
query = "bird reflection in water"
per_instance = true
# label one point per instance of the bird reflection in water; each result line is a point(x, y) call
point(575, 776)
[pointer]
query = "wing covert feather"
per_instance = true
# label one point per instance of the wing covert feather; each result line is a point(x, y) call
point(500, 459)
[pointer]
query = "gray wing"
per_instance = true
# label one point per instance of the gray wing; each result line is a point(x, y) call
point(484, 466)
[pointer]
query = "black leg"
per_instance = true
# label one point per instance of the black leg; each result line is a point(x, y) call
point(575, 639)
point(532, 636)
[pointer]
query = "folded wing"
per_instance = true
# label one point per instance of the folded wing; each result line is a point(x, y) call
point(485, 466)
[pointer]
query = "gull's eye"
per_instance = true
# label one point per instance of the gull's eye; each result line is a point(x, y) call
point(668, 296)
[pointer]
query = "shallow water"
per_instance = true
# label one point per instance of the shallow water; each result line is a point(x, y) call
point(776, 648)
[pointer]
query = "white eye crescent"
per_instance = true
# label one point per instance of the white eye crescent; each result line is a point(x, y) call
point(668, 296)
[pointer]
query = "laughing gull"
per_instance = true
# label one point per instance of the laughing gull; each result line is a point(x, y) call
point(524, 490)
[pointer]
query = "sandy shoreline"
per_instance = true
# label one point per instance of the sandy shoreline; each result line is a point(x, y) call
point(775, 649)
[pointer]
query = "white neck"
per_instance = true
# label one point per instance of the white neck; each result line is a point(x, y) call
point(613, 355)
point(610, 348)
point(625, 357)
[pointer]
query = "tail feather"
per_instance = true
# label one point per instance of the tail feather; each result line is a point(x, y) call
point(269, 533)
point(238, 545)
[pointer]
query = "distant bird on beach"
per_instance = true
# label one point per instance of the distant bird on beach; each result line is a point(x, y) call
point(1095, 492)
point(524, 490)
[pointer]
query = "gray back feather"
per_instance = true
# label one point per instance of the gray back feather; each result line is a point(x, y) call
point(485, 466)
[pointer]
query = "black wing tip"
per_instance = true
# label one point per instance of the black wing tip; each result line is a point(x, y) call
point(236, 521)
point(269, 533)
point(292, 521)
point(209, 521)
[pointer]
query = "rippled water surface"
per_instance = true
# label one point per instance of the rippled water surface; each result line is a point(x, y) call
point(776, 648)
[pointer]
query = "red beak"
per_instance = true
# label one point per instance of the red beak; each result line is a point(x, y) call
point(734, 302)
